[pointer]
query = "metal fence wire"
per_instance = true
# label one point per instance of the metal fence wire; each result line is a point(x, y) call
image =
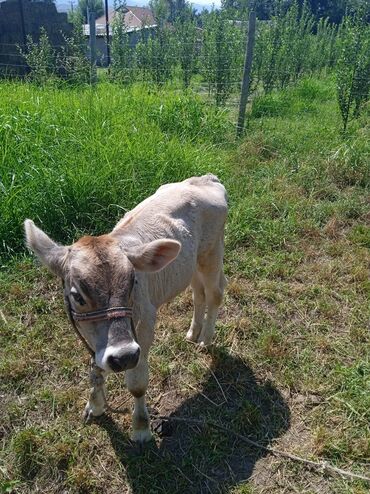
point(224, 61)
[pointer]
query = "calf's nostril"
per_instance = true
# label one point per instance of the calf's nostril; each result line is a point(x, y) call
point(123, 362)
point(117, 364)
point(134, 359)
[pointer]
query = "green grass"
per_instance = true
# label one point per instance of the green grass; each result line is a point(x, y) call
point(95, 153)
point(292, 344)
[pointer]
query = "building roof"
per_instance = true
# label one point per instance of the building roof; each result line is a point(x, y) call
point(135, 17)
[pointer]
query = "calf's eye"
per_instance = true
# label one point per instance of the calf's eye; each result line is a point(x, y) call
point(77, 297)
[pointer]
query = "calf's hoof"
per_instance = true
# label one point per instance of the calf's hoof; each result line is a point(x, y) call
point(193, 334)
point(205, 339)
point(141, 436)
point(90, 412)
point(205, 344)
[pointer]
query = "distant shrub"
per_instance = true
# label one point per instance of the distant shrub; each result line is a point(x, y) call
point(283, 46)
point(312, 89)
point(72, 60)
point(290, 45)
point(69, 62)
point(222, 55)
point(40, 57)
point(324, 47)
point(353, 67)
point(186, 46)
point(155, 56)
point(123, 64)
point(270, 105)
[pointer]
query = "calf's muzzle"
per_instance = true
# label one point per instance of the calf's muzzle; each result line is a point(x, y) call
point(123, 359)
point(128, 359)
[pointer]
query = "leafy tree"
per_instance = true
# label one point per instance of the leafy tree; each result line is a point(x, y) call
point(123, 54)
point(334, 10)
point(264, 8)
point(176, 8)
point(353, 67)
point(169, 10)
point(323, 46)
point(222, 55)
point(72, 59)
point(160, 11)
point(155, 54)
point(92, 5)
point(186, 44)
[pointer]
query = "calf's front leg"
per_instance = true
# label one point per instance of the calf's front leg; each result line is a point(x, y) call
point(96, 404)
point(137, 379)
point(137, 383)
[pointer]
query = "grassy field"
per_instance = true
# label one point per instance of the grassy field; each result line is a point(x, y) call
point(289, 366)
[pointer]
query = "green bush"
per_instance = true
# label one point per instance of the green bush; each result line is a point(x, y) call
point(41, 58)
point(72, 60)
point(270, 105)
point(123, 64)
point(186, 46)
point(222, 55)
point(353, 67)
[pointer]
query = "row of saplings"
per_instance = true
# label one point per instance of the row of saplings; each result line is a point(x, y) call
point(290, 45)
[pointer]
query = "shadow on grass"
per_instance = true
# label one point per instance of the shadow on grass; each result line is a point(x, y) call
point(192, 459)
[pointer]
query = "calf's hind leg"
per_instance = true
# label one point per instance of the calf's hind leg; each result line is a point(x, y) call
point(211, 274)
point(214, 284)
point(199, 301)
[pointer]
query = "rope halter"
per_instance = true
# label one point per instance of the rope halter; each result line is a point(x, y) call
point(102, 314)
point(97, 315)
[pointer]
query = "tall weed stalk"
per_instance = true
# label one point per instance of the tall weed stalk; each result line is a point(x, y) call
point(353, 67)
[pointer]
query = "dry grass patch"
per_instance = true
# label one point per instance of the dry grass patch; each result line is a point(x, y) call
point(285, 370)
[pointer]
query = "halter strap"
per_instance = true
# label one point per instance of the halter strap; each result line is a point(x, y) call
point(98, 315)
point(102, 314)
point(72, 321)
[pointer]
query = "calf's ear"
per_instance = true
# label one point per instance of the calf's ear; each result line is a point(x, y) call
point(155, 255)
point(50, 254)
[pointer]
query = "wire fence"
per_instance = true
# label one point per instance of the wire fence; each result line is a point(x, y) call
point(210, 60)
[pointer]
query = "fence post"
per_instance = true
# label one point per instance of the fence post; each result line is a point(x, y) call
point(247, 72)
point(107, 31)
point(92, 44)
point(23, 27)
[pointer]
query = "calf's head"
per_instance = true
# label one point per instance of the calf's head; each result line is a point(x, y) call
point(99, 274)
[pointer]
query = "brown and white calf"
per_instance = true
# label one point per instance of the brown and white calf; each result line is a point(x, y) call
point(172, 239)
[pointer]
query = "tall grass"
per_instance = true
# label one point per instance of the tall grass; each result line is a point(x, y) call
point(76, 160)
